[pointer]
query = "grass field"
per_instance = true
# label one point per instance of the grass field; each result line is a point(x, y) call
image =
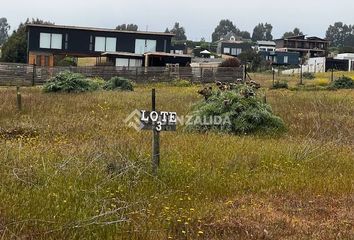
point(72, 169)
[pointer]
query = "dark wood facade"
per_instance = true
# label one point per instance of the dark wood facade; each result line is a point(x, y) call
point(81, 42)
point(307, 47)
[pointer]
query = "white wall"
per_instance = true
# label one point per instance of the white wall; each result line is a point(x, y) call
point(313, 65)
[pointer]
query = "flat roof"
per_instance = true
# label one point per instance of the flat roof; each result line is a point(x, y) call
point(98, 29)
point(268, 43)
point(167, 54)
point(128, 54)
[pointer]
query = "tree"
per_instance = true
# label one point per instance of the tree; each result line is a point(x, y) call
point(256, 62)
point(245, 35)
point(338, 33)
point(295, 32)
point(128, 27)
point(179, 31)
point(225, 26)
point(4, 29)
point(262, 32)
point(15, 48)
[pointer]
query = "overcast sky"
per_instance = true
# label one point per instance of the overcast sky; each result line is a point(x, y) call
point(199, 17)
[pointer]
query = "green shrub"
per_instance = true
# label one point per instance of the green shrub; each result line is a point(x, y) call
point(247, 113)
point(308, 75)
point(70, 82)
point(181, 83)
point(119, 83)
point(279, 85)
point(342, 83)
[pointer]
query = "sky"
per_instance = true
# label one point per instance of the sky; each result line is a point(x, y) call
point(198, 17)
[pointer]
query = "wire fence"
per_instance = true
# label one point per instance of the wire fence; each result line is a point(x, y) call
point(25, 75)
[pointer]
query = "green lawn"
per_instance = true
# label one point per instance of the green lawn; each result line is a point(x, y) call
point(72, 169)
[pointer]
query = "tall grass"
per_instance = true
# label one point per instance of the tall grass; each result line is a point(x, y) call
point(72, 169)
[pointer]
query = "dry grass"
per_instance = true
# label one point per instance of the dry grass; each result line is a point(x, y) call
point(71, 169)
point(321, 80)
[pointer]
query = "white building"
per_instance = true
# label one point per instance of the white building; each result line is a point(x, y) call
point(349, 57)
point(265, 46)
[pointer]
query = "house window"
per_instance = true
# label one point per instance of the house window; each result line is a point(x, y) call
point(233, 51)
point(126, 62)
point(226, 50)
point(144, 45)
point(105, 44)
point(50, 41)
point(286, 59)
point(91, 43)
point(122, 62)
point(238, 51)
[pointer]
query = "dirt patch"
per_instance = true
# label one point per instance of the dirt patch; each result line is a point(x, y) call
point(285, 218)
point(18, 133)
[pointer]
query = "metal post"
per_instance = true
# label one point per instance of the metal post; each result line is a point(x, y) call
point(19, 98)
point(155, 140)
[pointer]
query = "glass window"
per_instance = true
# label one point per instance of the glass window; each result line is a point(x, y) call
point(100, 44)
point(151, 46)
point(238, 51)
point(57, 40)
point(136, 62)
point(227, 50)
point(233, 51)
point(44, 40)
point(122, 62)
point(286, 59)
point(144, 45)
point(111, 44)
point(126, 62)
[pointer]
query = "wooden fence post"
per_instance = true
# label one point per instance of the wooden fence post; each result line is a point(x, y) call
point(155, 140)
point(19, 99)
point(34, 74)
point(301, 74)
point(273, 77)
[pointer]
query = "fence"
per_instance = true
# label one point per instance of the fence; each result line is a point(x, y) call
point(22, 74)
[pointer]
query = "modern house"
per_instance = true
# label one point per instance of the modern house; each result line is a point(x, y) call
point(109, 47)
point(265, 46)
point(306, 46)
point(232, 45)
point(281, 58)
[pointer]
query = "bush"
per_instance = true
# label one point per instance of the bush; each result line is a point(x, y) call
point(247, 113)
point(70, 82)
point(181, 83)
point(308, 75)
point(119, 83)
point(231, 62)
point(342, 83)
point(279, 85)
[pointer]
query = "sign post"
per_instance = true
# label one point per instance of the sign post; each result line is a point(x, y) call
point(155, 138)
point(156, 122)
